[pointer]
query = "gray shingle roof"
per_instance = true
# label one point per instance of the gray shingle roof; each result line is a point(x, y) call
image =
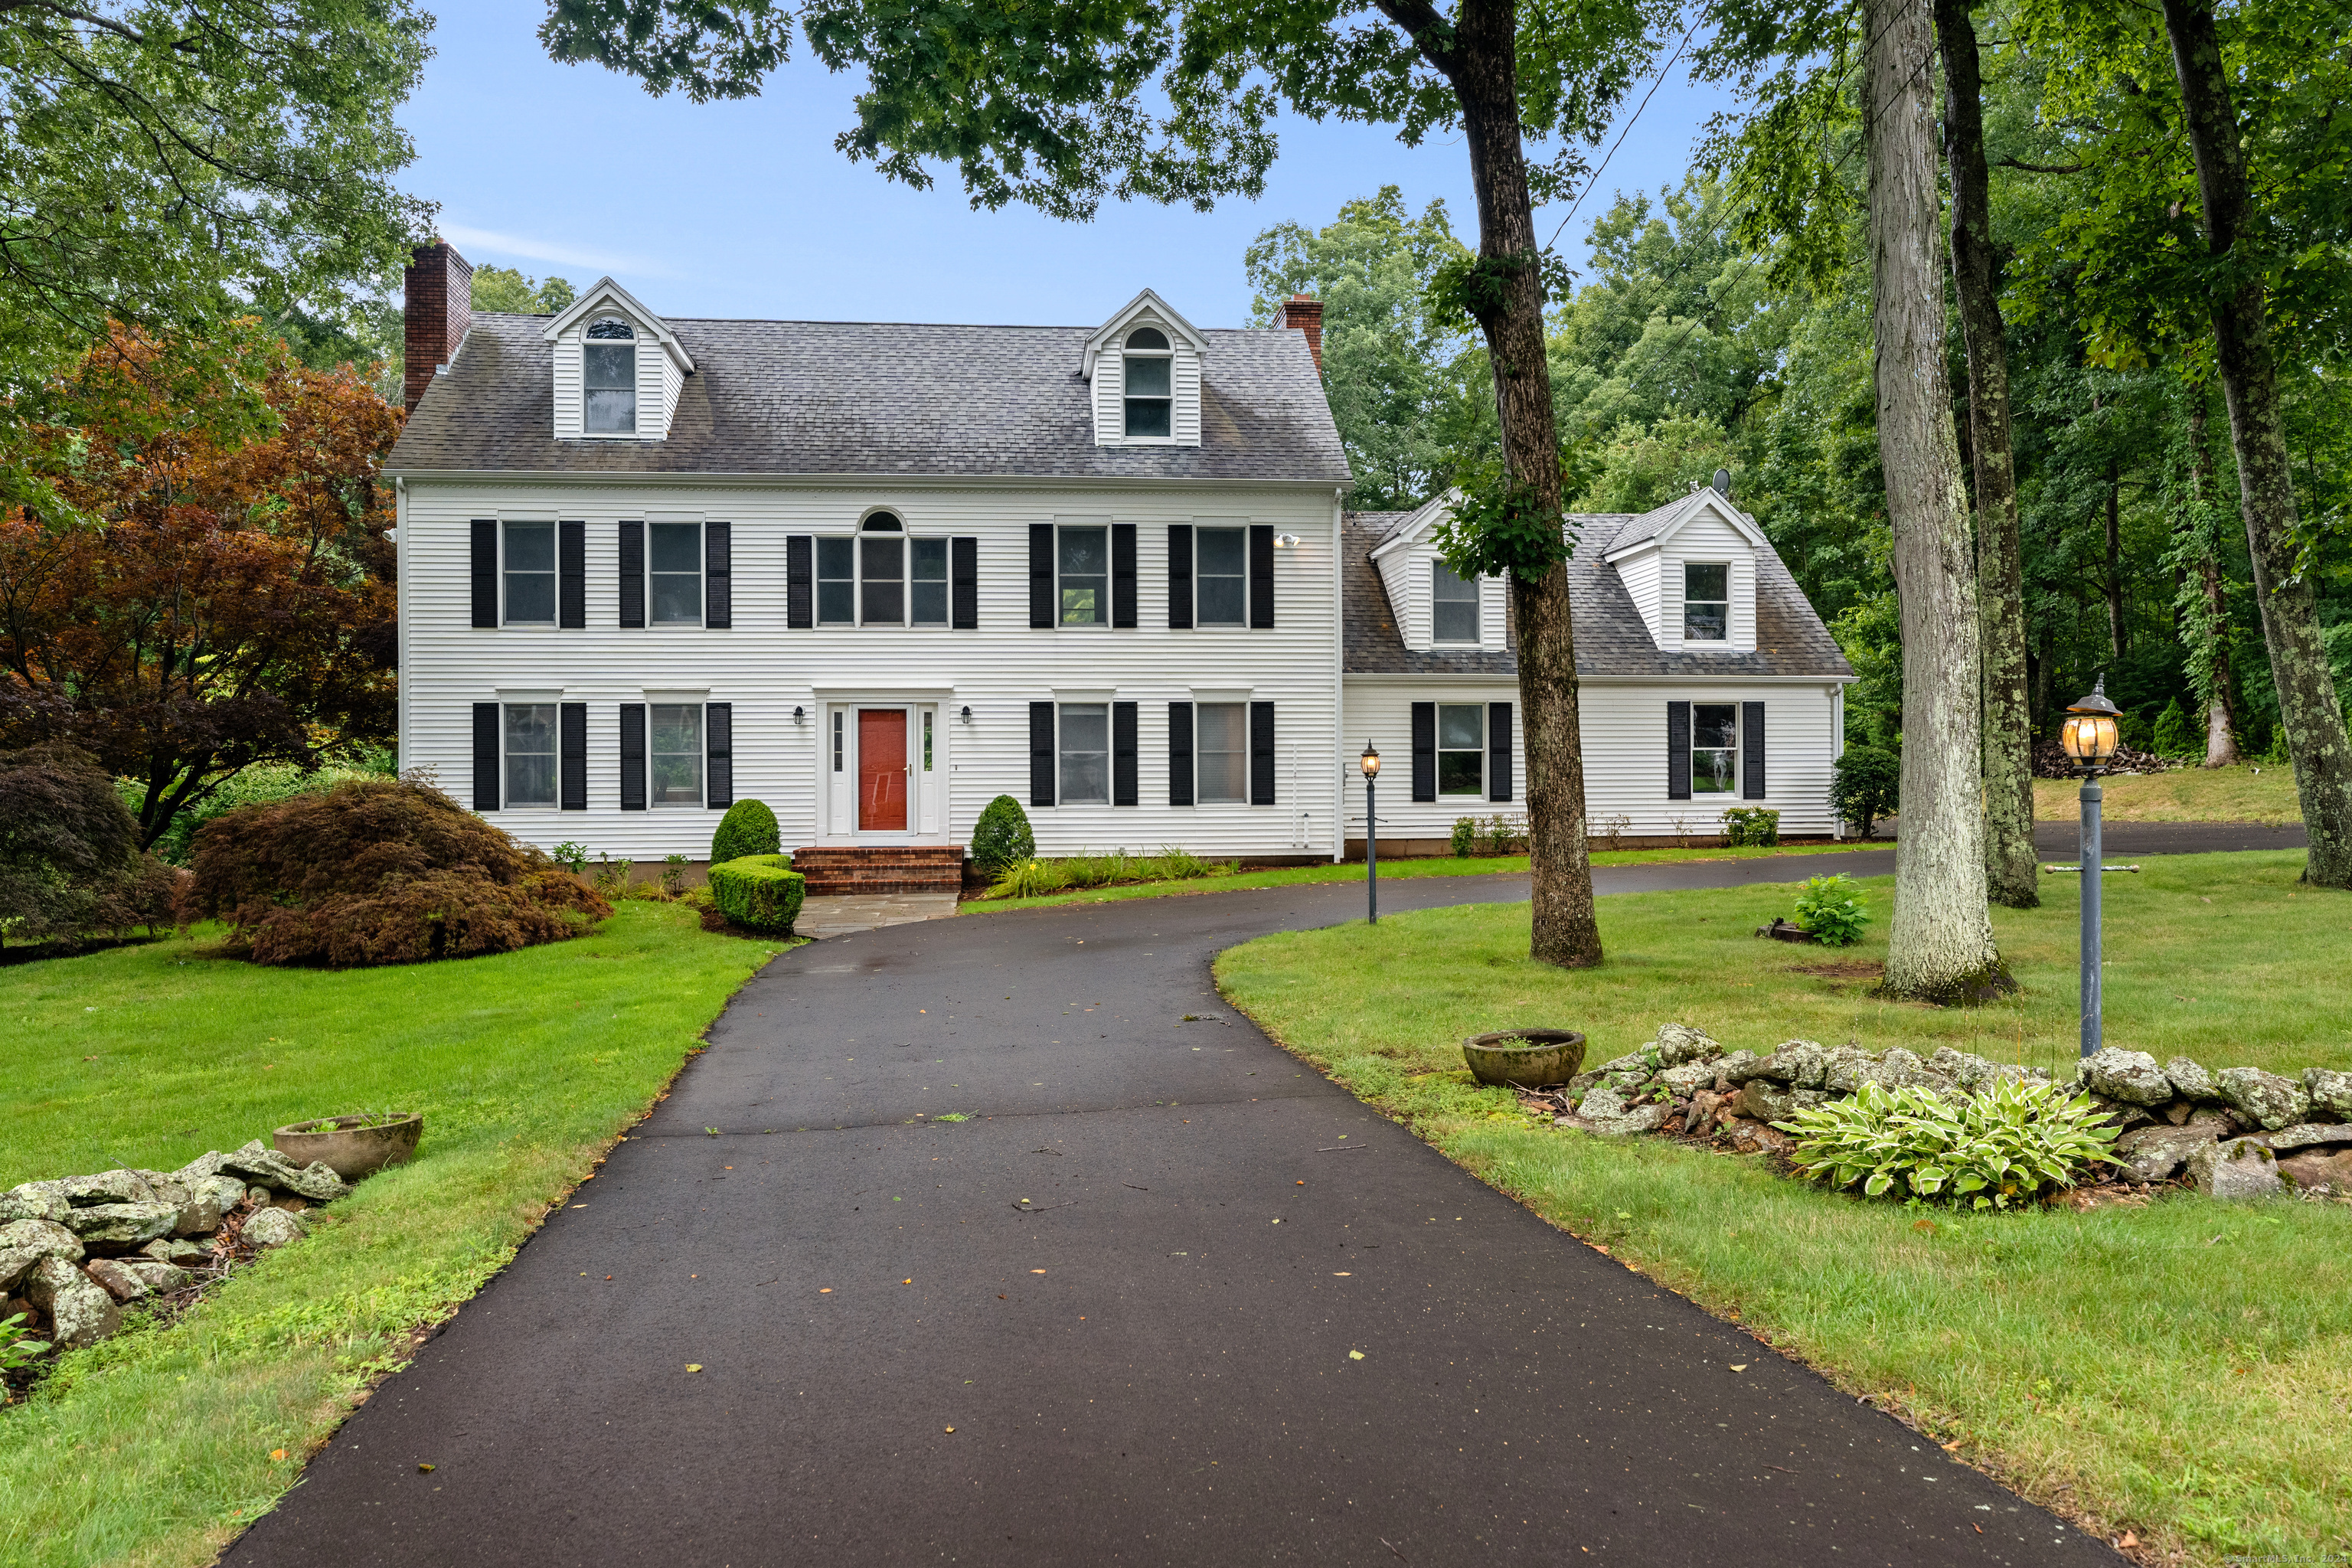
point(1610, 636)
point(849, 397)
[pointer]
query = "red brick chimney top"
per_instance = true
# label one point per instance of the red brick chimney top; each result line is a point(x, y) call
point(1303, 314)
point(439, 307)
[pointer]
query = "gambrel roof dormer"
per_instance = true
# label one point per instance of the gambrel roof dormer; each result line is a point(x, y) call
point(618, 368)
point(1437, 612)
point(1690, 569)
point(1144, 365)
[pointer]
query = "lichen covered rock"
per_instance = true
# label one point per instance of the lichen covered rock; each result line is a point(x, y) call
point(1679, 1043)
point(2190, 1080)
point(2271, 1100)
point(2328, 1170)
point(2154, 1153)
point(34, 1200)
point(81, 1311)
point(272, 1227)
point(25, 1242)
point(266, 1167)
point(2238, 1168)
point(122, 1227)
point(2330, 1093)
point(2131, 1077)
point(1800, 1064)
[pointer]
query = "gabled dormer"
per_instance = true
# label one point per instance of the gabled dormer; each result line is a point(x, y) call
point(1690, 568)
point(618, 368)
point(1144, 368)
point(1437, 612)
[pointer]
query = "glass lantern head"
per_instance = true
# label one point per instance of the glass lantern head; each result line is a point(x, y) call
point(1370, 761)
point(2090, 734)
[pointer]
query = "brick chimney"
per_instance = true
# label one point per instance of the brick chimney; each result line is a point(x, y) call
point(1301, 313)
point(439, 307)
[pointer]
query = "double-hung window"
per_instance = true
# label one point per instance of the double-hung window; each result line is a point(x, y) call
point(530, 745)
point(929, 587)
point(1221, 576)
point(836, 582)
point(1715, 747)
point(882, 571)
point(1083, 557)
point(1147, 367)
point(1462, 748)
point(1706, 601)
point(881, 577)
point(675, 753)
point(608, 366)
point(530, 573)
point(1084, 748)
point(1453, 606)
point(1220, 751)
point(675, 561)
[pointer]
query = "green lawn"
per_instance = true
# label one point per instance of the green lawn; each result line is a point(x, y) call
point(2183, 1371)
point(155, 1447)
point(2261, 794)
point(1337, 871)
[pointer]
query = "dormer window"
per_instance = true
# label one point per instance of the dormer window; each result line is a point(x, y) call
point(1149, 385)
point(1453, 606)
point(1706, 601)
point(609, 369)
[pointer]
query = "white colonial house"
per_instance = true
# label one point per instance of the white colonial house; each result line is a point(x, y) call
point(876, 574)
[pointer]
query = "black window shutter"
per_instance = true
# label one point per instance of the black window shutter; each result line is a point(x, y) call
point(1180, 753)
point(633, 756)
point(963, 592)
point(1041, 576)
point(1126, 786)
point(719, 755)
point(718, 575)
point(1041, 751)
point(1261, 753)
point(1498, 751)
point(485, 756)
point(1122, 575)
point(799, 582)
point(486, 572)
point(1180, 578)
point(633, 573)
point(1261, 581)
point(1751, 750)
point(1424, 751)
point(571, 571)
point(573, 746)
point(1678, 751)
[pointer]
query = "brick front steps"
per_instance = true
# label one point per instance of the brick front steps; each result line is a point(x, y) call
point(897, 869)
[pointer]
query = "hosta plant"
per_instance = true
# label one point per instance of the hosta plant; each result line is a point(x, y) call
point(1829, 909)
point(1986, 1150)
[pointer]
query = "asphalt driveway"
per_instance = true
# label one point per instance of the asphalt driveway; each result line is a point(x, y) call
point(1168, 1297)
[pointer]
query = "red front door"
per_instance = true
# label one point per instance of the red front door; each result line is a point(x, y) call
point(882, 770)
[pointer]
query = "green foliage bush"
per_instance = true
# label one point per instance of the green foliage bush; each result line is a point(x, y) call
point(1989, 1151)
point(1751, 825)
point(1866, 785)
point(1001, 836)
point(252, 787)
point(69, 856)
point(747, 828)
point(1032, 877)
point(760, 892)
point(1465, 837)
point(2175, 735)
point(1829, 909)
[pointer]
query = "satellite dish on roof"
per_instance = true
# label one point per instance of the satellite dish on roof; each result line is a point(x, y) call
point(1723, 483)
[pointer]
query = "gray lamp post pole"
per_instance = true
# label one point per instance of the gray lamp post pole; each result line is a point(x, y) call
point(1370, 763)
point(2090, 737)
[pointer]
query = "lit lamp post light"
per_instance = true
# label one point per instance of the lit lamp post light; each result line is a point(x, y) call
point(2090, 738)
point(1370, 763)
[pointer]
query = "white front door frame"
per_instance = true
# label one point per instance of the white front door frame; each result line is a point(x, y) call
point(928, 815)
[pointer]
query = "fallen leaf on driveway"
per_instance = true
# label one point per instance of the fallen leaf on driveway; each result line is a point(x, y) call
point(1355, 1355)
point(1036, 1271)
point(694, 1366)
point(425, 1470)
point(951, 1428)
point(1740, 1366)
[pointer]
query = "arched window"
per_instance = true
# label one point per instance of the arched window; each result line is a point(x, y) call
point(609, 368)
point(883, 522)
point(1146, 365)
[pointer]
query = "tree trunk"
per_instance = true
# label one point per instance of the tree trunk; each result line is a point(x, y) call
point(2011, 867)
point(2207, 621)
point(1939, 939)
point(2114, 560)
point(1479, 55)
point(2309, 709)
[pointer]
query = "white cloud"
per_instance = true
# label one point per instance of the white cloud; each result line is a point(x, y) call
point(525, 248)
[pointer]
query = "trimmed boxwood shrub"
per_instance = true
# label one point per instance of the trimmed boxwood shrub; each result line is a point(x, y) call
point(380, 871)
point(761, 892)
point(1001, 836)
point(747, 828)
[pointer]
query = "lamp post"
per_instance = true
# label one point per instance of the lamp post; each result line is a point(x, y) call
point(2090, 738)
point(1370, 763)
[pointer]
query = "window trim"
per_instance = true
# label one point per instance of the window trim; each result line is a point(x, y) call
point(554, 572)
point(1736, 752)
point(1724, 602)
point(1477, 602)
point(636, 380)
point(554, 753)
point(1240, 708)
point(1242, 532)
point(701, 574)
point(1105, 608)
point(1062, 752)
point(701, 755)
point(1166, 356)
point(1478, 753)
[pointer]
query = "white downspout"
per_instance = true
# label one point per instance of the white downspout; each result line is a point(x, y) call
point(400, 612)
point(1339, 679)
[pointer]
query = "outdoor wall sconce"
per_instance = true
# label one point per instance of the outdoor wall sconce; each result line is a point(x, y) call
point(966, 715)
point(799, 713)
point(1285, 540)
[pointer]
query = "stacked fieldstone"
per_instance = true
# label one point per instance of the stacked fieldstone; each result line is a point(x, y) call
point(2238, 1132)
point(74, 1252)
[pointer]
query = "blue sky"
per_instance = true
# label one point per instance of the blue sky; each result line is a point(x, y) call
point(745, 209)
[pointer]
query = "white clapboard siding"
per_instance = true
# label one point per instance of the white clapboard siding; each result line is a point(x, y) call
point(765, 670)
point(1623, 726)
point(567, 377)
point(1704, 538)
point(1494, 608)
point(1111, 391)
point(1184, 385)
point(1640, 575)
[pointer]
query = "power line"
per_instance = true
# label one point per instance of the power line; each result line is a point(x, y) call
point(1655, 82)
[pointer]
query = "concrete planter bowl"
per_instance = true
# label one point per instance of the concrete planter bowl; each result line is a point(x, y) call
point(351, 1151)
point(1531, 1058)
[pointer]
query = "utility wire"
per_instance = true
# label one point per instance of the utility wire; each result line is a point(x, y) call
point(1655, 82)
